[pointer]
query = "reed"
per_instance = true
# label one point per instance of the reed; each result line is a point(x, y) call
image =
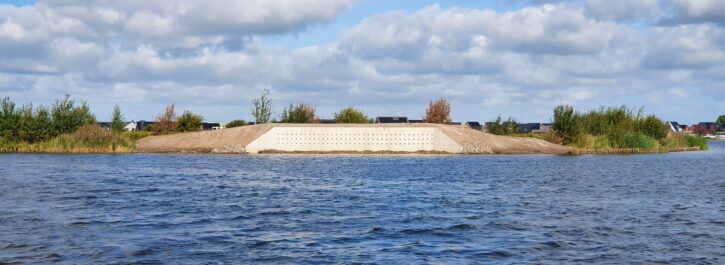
point(87, 139)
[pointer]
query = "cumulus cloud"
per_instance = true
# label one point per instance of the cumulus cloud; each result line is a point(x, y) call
point(209, 55)
point(624, 9)
point(697, 11)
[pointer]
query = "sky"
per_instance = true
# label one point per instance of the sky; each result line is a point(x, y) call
point(513, 58)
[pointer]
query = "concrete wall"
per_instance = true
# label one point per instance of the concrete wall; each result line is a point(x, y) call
point(354, 139)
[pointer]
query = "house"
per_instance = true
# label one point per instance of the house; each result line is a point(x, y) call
point(327, 121)
point(455, 123)
point(685, 129)
point(391, 120)
point(104, 125)
point(415, 121)
point(534, 127)
point(528, 127)
point(674, 127)
point(143, 125)
point(130, 127)
point(704, 128)
point(474, 125)
point(211, 126)
point(543, 128)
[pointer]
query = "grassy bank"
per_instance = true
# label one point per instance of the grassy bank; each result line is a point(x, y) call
point(627, 143)
point(87, 139)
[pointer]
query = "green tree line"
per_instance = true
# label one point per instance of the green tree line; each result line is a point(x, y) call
point(28, 124)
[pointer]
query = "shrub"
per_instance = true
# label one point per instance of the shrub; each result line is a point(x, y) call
point(166, 121)
point(189, 122)
point(351, 115)
point(300, 113)
point(438, 111)
point(653, 127)
point(566, 124)
point(235, 123)
point(696, 141)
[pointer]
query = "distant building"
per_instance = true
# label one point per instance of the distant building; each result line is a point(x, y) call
point(391, 120)
point(456, 123)
point(474, 125)
point(104, 125)
point(415, 121)
point(704, 128)
point(130, 127)
point(534, 127)
point(327, 121)
point(211, 126)
point(674, 127)
point(143, 125)
point(528, 127)
point(685, 129)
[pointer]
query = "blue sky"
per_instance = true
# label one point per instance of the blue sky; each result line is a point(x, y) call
point(489, 58)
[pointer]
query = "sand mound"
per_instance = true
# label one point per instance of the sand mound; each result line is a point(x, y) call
point(235, 140)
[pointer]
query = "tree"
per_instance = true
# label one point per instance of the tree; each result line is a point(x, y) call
point(262, 108)
point(438, 111)
point(300, 113)
point(166, 121)
point(500, 127)
point(117, 120)
point(495, 126)
point(235, 123)
point(566, 124)
point(720, 122)
point(512, 126)
point(189, 122)
point(351, 115)
point(67, 118)
point(9, 118)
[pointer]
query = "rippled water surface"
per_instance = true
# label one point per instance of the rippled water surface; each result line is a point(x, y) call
point(182, 209)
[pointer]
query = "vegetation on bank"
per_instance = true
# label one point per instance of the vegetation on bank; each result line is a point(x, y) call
point(64, 127)
point(617, 128)
point(89, 138)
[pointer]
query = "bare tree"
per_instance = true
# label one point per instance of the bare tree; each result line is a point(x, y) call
point(262, 109)
point(438, 111)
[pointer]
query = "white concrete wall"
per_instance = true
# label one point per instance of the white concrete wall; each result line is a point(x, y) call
point(354, 139)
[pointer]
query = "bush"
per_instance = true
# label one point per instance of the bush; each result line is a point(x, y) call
point(653, 127)
point(235, 123)
point(438, 111)
point(300, 113)
point(566, 124)
point(351, 115)
point(166, 121)
point(696, 141)
point(189, 122)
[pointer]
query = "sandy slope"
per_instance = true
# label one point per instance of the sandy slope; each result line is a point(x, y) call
point(234, 140)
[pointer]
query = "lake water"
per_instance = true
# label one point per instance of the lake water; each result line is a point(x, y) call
point(190, 209)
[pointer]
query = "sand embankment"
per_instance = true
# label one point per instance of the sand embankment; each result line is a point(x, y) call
point(442, 139)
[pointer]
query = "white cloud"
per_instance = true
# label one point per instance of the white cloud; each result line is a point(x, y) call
point(624, 9)
point(209, 53)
